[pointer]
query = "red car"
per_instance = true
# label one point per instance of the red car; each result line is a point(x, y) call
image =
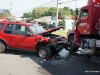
point(26, 36)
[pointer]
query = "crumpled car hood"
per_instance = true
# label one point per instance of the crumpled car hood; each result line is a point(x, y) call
point(52, 30)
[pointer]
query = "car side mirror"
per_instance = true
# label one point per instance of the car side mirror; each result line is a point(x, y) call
point(28, 34)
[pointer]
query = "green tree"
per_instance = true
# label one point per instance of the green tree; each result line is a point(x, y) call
point(72, 12)
point(6, 15)
point(67, 10)
point(62, 23)
point(27, 15)
point(46, 11)
point(39, 12)
point(51, 11)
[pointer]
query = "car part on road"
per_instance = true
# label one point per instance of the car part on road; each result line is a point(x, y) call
point(57, 57)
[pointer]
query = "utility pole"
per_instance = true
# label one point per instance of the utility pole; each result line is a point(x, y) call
point(57, 14)
point(76, 4)
point(11, 9)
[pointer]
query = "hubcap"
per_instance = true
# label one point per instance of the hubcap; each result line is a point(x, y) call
point(42, 53)
point(0, 46)
point(72, 43)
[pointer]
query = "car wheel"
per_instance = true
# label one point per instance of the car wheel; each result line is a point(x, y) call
point(2, 47)
point(44, 52)
point(72, 47)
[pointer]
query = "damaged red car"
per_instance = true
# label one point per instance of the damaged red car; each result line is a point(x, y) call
point(26, 36)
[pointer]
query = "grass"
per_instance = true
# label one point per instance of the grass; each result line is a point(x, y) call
point(61, 33)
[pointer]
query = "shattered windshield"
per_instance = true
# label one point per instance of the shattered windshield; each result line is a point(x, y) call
point(36, 29)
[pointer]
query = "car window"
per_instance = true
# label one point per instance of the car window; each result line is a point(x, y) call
point(84, 14)
point(8, 29)
point(33, 28)
point(36, 29)
point(21, 30)
point(1, 26)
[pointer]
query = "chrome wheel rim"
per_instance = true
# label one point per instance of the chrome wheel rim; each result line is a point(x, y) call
point(0, 46)
point(42, 53)
point(72, 43)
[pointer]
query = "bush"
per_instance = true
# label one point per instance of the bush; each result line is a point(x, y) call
point(62, 23)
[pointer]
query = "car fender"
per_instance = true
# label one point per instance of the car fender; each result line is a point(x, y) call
point(42, 41)
point(3, 41)
point(45, 40)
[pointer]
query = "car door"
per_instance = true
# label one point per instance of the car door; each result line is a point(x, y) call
point(7, 34)
point(21, 40)
point(83, 21)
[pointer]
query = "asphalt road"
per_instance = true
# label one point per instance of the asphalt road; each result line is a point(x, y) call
point(26, 63)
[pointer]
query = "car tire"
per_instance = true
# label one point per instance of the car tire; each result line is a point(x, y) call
point(44, 52)
point(72, 47)
point(2, 47)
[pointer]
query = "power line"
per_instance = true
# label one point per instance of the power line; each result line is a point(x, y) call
point(45, 4)
point(69, 3)
point(63, 2)
point(37, 9)
point(19, 12)
point(39, 5)
point(32, 1)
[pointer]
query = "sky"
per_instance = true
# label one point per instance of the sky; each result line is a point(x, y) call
point(21, 6)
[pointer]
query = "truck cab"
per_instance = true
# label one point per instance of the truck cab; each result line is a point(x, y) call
point(87, 32)
point(89, 18)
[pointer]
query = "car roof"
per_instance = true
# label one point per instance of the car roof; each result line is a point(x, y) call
point(23, 23)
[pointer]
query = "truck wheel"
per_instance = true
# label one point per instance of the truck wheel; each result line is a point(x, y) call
point(73, 48)
point(2, 47)
point(44, 52)
point(66, 46)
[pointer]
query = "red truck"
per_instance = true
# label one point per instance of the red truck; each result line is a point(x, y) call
point(26, 36)
point(87, 32)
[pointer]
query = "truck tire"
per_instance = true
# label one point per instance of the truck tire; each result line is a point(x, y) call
point(72, 46)
point(44, 52)
point(66, 46)
point(2, 47)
